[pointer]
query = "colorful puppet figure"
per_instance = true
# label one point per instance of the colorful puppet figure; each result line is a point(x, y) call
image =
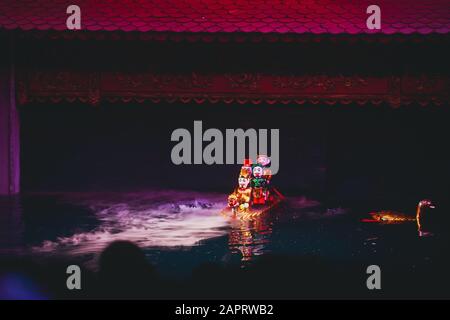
point(264, 161)
point(240, 199)
point(258, 185)
point(253, 196)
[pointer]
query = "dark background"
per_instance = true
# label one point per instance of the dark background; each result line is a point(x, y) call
point(341, 153)
point(129, 147)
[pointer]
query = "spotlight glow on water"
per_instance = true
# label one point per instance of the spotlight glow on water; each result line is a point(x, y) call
point(154, 219)
point(176, 221)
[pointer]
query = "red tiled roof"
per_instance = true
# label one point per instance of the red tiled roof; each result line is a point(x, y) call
point(231, 16)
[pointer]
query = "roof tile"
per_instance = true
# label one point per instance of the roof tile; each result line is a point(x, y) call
point(213, 16)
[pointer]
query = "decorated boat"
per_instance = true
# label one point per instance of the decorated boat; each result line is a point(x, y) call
point(254, 194)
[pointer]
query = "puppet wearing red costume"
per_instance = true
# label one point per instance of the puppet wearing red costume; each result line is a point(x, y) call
point(258, 185)
point(264, 161)
point(240, 199)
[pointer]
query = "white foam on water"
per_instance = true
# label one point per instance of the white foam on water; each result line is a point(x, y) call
point(154, 219)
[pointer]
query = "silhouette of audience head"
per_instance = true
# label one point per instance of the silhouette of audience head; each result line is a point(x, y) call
point(124, 271)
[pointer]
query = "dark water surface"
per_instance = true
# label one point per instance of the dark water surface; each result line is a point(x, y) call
point(179, 231)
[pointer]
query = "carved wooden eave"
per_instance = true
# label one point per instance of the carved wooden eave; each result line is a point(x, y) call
point(242, 88)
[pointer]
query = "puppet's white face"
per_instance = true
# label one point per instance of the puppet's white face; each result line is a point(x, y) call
point(243, 182)
point(258, 172)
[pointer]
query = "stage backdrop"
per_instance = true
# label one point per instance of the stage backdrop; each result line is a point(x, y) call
point(123, 147)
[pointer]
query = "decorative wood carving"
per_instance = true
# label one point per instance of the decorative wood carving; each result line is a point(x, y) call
point(94, 87)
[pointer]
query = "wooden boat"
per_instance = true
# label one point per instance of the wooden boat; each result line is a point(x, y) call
point(256, 210)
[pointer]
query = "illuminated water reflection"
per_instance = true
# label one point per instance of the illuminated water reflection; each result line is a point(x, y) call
point(154, 219)
point(250, 236)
